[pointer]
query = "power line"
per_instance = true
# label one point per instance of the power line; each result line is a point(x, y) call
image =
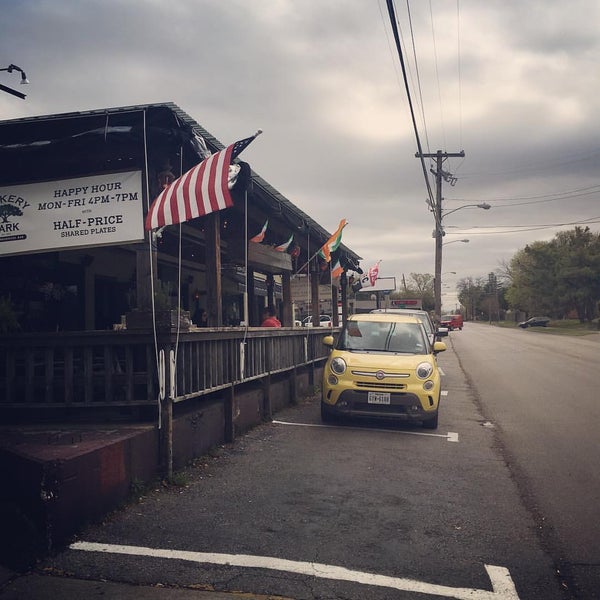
point(522, 228)
point(566, 195)
point(392, 14)
point(437, 73)
point(574, 158)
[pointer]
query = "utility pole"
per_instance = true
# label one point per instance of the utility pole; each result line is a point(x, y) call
point(440, 175)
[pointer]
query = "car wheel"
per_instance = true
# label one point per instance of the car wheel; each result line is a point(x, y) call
point(431, 423)
point(326, 415)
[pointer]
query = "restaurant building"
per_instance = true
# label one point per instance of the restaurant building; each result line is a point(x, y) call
point(101, 333)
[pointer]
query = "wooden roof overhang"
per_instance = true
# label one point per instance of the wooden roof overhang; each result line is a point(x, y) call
point(152, 136)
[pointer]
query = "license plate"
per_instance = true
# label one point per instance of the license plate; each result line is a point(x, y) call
point(378, 398)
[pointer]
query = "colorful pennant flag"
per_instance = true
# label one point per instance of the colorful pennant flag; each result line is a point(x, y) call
point(332, 244)
point(259, 237)
point(283, 247)
point(200, 191)
point(368, 279)
point(337, 270)
point(374, 273)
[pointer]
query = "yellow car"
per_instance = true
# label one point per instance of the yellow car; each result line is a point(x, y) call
point(383, 365)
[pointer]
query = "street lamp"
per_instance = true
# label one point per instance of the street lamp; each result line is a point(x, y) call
point(439, 236)
point(483, 205)
point(24, 80)
point(454, 242)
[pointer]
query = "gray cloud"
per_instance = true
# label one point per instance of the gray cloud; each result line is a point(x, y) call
point(323, 82)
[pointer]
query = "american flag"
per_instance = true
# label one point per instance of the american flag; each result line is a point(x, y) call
point(200, 191)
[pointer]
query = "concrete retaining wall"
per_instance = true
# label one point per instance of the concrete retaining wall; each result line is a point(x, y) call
point(56, 481)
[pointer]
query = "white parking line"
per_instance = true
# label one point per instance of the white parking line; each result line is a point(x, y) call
point(503, 587)
point(450, 436)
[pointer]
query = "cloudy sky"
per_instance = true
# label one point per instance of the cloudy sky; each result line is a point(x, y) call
point(513, 83)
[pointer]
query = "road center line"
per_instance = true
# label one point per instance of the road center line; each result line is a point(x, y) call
point(503, 587)
point(450, 436)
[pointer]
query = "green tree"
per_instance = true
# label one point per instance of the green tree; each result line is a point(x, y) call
point(578, 271)
point(533, 285)
point(471, 293)
point(557, 277)
point(417, 285)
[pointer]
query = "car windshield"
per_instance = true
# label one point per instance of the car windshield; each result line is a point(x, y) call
point(375, 336)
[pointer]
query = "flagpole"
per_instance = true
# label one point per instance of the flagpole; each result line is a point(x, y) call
point(331, 292)
point(246, 316)
point(307, 262)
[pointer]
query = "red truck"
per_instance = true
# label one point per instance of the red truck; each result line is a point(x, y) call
point(452, 322)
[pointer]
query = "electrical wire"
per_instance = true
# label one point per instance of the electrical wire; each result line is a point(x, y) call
point(418, 75)
point(521, 228)
point(392, 14)
point(459, 67)
point(566, 195)
point(437, 74)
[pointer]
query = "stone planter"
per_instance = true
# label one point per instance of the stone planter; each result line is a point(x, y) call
point(166, 320)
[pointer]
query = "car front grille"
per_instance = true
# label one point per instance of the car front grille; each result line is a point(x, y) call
point(380, 385)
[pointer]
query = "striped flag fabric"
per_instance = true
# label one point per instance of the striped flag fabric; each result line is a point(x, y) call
point(283, 247)
point(374, 273)
point(260, 236)
point(202, 190)
point(333, 243)
point(336, 270)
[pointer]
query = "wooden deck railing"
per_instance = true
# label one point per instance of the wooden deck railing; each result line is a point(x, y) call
point(111, 369)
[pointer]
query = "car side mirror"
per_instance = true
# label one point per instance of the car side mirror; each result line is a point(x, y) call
point(328, 340)
point(439, 347)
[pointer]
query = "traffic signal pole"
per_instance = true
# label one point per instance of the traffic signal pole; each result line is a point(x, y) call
point(440, 175)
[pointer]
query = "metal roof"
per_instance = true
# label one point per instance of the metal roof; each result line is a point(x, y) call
point(272, 199)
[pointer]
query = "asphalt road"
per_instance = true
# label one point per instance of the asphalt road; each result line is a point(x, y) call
point(541, 391)
point(297, 510)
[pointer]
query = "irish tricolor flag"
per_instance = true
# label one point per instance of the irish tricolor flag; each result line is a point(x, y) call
point(332, 244)
point(283, 247)
point(259, 237)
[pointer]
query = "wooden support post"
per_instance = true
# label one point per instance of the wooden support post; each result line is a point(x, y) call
point(251, 317)
point(267, 405)
point(314, 296)
point(286, 288)
point(344, 294)
point(294, 386)
point(143, 272)
point(334, 306)
point(270, 281)
point(228, 410)
point(213, 270)
point(166, 430)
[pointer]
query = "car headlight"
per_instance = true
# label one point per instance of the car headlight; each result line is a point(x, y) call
point(424, 370)
point(338, 365)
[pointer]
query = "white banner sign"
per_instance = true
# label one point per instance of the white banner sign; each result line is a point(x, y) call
point(87, 211)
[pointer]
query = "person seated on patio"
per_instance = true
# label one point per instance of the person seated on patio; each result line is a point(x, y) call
point(269, 318)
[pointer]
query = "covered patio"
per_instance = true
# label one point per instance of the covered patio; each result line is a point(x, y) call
point(99, 321)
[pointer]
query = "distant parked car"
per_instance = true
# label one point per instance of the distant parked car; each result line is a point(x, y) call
point(452, 322)
point(324, 321)
point(433, 333)
point(535, 322)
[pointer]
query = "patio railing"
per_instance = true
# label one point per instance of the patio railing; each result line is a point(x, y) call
point(121, 368)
